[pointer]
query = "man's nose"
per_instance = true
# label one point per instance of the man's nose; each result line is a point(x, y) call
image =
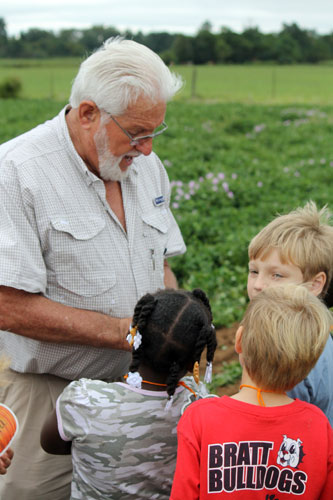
point(145, 147)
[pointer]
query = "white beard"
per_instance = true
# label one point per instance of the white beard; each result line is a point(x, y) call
point(108, 164)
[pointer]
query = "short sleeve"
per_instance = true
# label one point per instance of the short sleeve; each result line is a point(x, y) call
point(73, 411)
point(22, 265)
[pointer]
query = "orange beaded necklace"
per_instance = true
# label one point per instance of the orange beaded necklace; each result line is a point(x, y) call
point(180, 383)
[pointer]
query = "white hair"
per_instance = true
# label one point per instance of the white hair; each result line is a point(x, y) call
point(120, 72)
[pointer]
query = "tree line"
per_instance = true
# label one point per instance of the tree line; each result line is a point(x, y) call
point(291, 45)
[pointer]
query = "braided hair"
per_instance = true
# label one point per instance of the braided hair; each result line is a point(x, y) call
point(176, 326)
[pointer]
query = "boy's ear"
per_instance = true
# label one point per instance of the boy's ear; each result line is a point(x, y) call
point(318, 283)
point(238, 340)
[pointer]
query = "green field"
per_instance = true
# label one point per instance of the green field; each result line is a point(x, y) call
point(235, 157)
point(265, 84)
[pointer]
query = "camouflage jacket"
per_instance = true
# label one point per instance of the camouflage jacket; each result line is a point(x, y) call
point(124, 442)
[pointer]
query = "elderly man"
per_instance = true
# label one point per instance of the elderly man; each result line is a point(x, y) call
point(85, 230)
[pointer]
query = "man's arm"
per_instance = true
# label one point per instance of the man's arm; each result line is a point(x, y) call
point(39, 318)
point(170, 280)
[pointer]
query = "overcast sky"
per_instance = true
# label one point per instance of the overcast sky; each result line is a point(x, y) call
point(174, 16)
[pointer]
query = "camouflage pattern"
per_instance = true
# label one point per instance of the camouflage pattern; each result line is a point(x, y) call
point(124, 442)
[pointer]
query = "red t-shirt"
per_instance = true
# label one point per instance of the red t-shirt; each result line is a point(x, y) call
point(234, 450)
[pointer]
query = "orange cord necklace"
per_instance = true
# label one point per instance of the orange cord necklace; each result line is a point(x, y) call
point(164, 385)
point(259, 391)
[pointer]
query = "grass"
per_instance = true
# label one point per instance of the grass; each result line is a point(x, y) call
point(264, 84)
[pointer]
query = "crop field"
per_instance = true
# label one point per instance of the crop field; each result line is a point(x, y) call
point(234, 160)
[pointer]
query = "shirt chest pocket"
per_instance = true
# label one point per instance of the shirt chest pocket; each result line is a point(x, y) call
point(78, 254)
point(155, 231)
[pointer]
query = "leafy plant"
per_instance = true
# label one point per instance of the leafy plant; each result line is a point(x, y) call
point(10, 88)
point(229, 374)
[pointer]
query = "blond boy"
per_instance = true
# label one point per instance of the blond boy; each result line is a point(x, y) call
point(260, 441)
point(298, 248)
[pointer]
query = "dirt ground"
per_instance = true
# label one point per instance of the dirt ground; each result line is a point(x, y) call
point(225, 352)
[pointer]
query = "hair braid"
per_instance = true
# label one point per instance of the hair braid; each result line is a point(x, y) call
point(143, 308)
point(211, 343)
point(200, 343)
point(200, 294)
point(142, 311)
point(173, 378)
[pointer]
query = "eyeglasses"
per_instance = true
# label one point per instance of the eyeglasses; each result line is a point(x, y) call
point(134, 141)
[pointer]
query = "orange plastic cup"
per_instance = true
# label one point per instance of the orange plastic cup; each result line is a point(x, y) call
point(8, 427)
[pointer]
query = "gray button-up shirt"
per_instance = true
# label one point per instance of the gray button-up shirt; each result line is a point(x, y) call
point(59, 237)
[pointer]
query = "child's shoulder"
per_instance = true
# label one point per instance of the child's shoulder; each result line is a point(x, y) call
point(312, 410)
point(86, 389)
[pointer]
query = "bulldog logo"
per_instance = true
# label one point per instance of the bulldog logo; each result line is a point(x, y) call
point(290, 452)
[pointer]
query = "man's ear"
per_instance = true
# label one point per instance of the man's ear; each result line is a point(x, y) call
point(317, 283)
point(238, 339)
point(89, 114)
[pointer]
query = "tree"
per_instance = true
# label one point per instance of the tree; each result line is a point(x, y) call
point(288, 50)
point(93, 37)
point(240, 47)
point(182, 49)
point(159, 42)
point(204, 47)
point(3, 38)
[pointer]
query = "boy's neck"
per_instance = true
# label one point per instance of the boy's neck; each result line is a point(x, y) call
point(249, 395)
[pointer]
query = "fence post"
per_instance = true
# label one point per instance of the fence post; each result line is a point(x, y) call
point(273, 82)
point(193, 82)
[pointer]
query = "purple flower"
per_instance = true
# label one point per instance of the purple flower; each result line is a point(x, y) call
point(175, 205)
point(225, 186)
point(259, 128)
point(221, 175)
point(230, 194)
point(259, 184)
point(234, 176)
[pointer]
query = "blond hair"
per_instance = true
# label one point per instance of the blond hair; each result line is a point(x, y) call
point(285, 329)
point(304, 237)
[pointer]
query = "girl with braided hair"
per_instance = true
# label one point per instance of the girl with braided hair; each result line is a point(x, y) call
point(122, 435)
